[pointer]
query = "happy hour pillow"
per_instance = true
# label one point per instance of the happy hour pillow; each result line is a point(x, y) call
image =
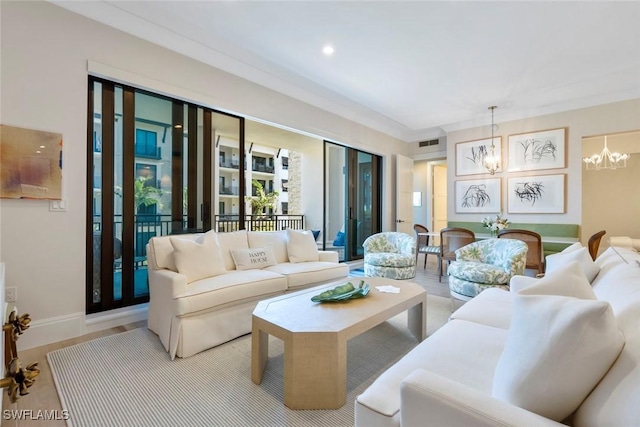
point(254, 258)
point(557, 350)
point(568, 280)
point(198, 259)
point(301, 246)
point(581, 255)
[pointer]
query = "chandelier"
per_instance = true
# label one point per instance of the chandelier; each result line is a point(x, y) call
point(606, 159)
point(491, 161)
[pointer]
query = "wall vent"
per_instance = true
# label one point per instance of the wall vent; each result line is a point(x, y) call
point(428, 143)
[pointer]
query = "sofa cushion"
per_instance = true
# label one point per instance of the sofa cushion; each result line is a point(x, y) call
point(589, 267)
point(303, 273)
point(447, 353)
point(229, 241)
point(198, 259)
point(568, 280)
point(389, 259)
point(518, 282)
point(231, 287)
point(253, 258)
point(277, 240)
point(556, 351)
point(477, 272)
point(301, 246)
point(163, 250)
point(492, 307)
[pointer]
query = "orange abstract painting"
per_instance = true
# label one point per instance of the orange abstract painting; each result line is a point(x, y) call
point(30, 164)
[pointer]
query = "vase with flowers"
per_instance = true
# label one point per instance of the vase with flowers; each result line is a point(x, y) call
point(495, 224)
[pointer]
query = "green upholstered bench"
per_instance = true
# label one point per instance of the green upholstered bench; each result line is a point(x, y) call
point(546, 230)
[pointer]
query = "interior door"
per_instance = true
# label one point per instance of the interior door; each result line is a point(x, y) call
point(404, 194)
point(439, 200)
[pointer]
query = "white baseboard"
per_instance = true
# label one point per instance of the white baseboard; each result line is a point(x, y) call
point(113, 318)
point(52, 329)
point(73, 325)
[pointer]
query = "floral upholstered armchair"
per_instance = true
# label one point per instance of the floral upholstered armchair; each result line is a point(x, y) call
point(391, 255)
point(489, 263)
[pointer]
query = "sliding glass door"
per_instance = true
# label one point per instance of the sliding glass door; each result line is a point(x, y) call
point(158, 166)
point(352, 199)
point(150, 169)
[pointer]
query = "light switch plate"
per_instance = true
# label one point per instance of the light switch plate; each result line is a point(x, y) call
point(58, 206)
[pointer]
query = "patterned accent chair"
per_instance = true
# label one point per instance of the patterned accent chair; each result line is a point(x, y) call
point(484, 264)
point(391, 255)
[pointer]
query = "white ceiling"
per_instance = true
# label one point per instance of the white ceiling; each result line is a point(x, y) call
point(414, 70)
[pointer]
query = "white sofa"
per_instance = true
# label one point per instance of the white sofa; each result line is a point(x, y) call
point(456, 376)
point(198, 298)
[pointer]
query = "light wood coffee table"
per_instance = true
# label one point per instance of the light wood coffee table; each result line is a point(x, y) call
point(315, 336)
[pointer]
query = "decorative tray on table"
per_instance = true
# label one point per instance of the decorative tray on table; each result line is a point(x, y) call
point(343, 292)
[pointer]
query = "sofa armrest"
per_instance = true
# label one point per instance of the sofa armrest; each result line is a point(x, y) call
point(166, 284)
point(328, 256)
point(430, 399)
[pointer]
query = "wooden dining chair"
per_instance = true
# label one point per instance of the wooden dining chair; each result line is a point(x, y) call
point(423, 244)
point(452, 238)
point(535, 254)
point(594, 243)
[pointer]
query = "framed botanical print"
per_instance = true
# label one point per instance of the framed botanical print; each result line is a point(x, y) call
point(537, 150)
point(470, 155)
point(536, 194)
point(478, 195)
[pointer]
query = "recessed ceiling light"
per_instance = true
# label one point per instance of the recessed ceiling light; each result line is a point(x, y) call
point(328, 50)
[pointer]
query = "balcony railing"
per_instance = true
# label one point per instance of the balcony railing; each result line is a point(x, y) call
point(148, 226)
point(230, 191)
point(225, 223)
point(263, 168)
point(148, 152)
point(231, 164)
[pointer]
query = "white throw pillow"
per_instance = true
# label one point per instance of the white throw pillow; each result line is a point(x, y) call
point(229, 241)
point(581, 255)
point(254, 258)
point(568, 280)
point(198, 259)
point(276, 239)
point(557, 350)
point(301, 246)
point(573, 247)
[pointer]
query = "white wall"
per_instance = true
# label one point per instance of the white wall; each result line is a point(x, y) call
point(46, 54)
point(608, 118)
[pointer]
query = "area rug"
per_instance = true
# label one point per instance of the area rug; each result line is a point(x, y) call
point(127, 379)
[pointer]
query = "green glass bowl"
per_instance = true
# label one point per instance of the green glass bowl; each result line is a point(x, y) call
point(336, 294)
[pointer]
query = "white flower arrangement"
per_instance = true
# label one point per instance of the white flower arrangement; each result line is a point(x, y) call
point(495, 224)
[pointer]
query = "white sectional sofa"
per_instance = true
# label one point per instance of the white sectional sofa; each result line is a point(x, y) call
point(549, 352)
point(204, 287)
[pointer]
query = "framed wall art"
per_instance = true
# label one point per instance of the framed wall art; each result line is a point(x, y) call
point(478, 195)
point(31, 164)
point(536, 194)
point(470, 155)
point(537, 150)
